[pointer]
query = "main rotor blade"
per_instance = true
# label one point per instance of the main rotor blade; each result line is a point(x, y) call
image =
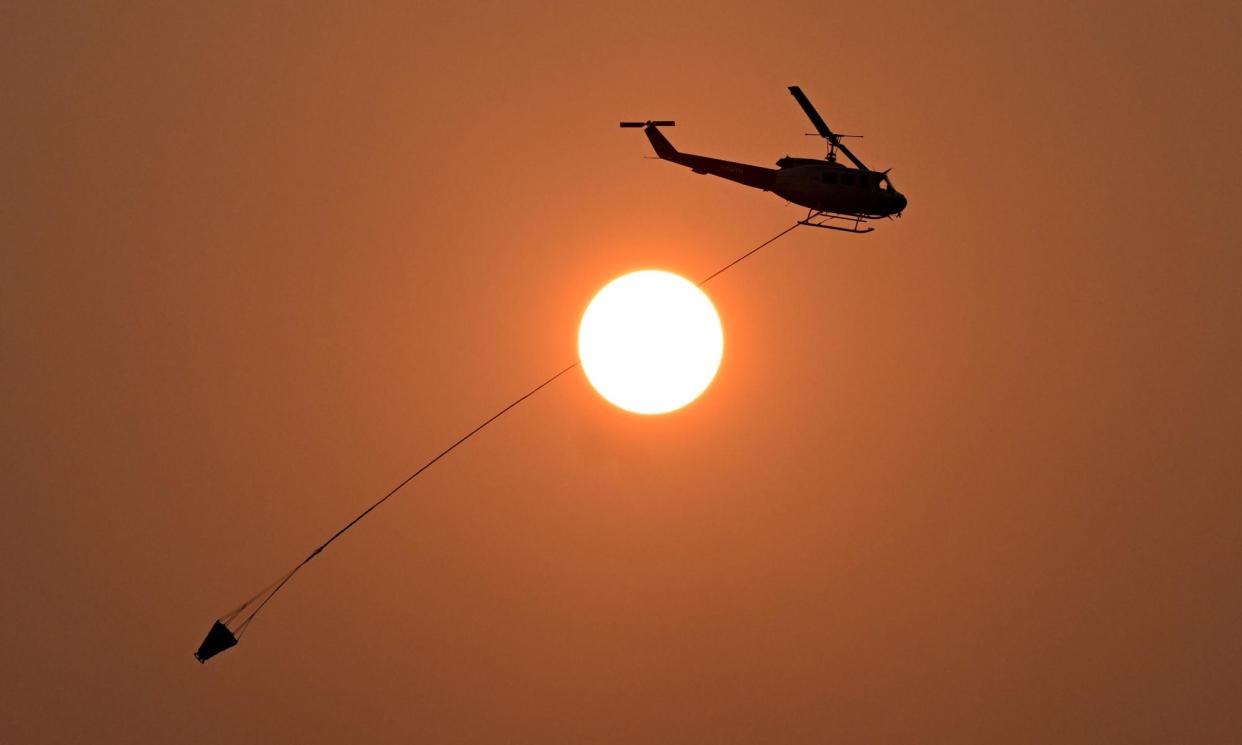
point(818, 121)
point(822, 127)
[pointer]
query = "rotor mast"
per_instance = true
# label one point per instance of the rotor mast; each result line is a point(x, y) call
point(834, 139)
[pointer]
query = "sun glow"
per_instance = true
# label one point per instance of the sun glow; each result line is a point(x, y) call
point(650, 342)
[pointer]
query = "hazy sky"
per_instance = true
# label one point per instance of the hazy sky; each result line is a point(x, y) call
point(973, 477)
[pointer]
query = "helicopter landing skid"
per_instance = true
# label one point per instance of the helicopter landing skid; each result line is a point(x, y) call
point(824, 217)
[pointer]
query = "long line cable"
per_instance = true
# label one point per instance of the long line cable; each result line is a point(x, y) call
point(747, 255)
point(280, 583)
point(242, 627)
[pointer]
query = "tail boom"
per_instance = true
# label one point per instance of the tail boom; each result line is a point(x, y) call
point(754, 176)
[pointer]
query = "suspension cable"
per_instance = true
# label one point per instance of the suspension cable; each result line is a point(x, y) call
point(279, 584)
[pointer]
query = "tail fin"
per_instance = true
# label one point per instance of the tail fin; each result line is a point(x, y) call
point(662, 146)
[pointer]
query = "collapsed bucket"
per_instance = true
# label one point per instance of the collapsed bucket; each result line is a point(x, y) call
point(219, 638)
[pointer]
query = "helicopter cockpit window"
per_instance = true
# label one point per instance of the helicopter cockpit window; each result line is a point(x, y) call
point(847, 179)
point(883, 185)
point(829, 177)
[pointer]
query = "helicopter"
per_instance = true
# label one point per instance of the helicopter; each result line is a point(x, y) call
point(829, 190)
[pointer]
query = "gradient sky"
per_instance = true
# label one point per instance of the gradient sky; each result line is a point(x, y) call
point(971, 478)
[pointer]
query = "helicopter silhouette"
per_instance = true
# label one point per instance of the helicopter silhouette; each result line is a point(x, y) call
point(828, 189)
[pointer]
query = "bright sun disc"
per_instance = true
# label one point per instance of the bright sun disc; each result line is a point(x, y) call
point(650, 342)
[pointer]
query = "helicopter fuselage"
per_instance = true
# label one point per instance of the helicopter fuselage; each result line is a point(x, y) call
point(825, 186)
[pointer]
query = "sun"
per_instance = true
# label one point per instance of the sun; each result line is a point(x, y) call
point(650, 342)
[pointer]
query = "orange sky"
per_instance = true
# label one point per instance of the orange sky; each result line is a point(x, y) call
point(970, 478)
